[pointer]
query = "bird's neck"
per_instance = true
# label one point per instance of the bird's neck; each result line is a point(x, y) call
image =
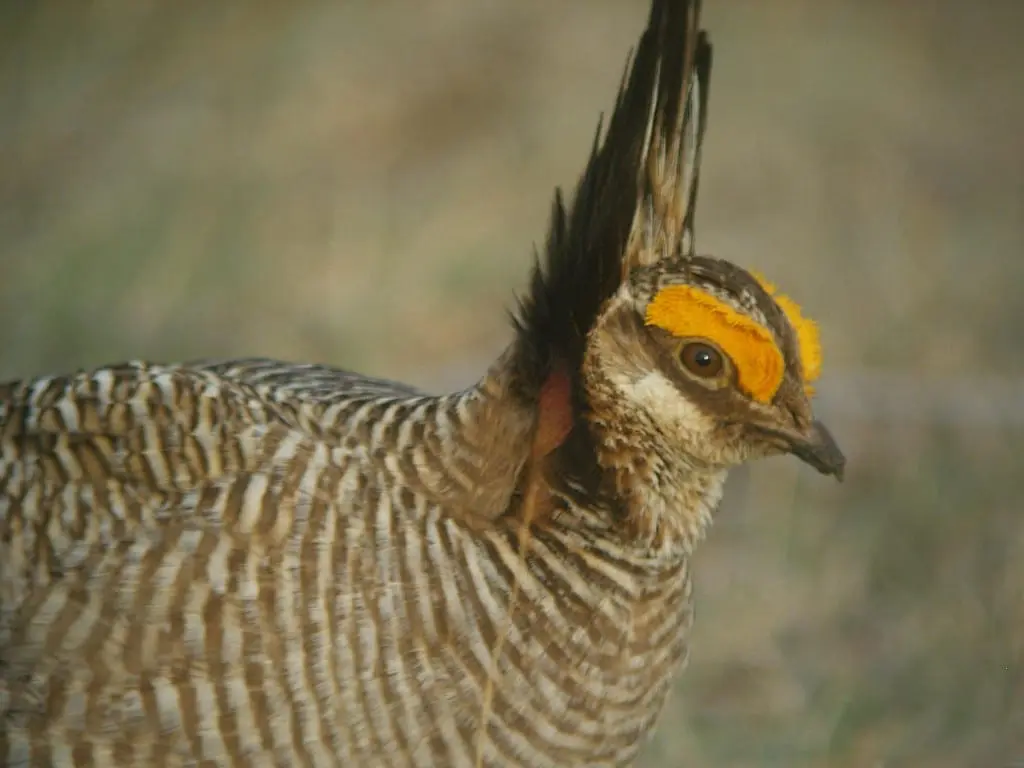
point(667, 507)
point(666, 501)
point(630, 486)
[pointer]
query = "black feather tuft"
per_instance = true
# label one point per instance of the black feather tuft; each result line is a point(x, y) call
point(583, 261)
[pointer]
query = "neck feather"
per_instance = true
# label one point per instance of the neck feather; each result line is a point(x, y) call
point(668, 500)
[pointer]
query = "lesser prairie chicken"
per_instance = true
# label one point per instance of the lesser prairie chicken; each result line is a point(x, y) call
point(258, 563)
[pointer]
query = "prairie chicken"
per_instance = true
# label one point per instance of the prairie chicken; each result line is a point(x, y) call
point(258, 563)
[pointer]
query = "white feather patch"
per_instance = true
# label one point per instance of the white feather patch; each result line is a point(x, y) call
point(662, 400)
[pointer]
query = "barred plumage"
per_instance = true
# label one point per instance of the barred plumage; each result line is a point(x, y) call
point(257, 563)
point(247, 565)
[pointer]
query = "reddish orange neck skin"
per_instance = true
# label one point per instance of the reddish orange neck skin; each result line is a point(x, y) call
point(554, 413)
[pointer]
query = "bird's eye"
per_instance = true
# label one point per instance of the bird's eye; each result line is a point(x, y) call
point(702, 360)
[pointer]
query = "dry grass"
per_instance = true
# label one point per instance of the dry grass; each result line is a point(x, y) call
point(361, 183)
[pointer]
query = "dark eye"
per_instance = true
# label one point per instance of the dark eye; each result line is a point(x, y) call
point(702, 360)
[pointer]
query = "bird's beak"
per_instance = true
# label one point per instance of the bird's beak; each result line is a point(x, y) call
point(818, 448)
point(815, 446)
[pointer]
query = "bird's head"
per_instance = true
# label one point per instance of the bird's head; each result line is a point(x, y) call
point(672, 367)
point(704, 360)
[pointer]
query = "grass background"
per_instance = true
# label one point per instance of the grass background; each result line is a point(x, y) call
point(361, 182)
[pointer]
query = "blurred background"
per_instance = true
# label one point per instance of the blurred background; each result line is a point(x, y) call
point(361, 183)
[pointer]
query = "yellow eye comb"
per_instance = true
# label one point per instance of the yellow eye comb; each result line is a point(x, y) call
point(688, 312)
point(807, 337)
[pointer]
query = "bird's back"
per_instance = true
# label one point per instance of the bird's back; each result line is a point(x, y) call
point(260, 564)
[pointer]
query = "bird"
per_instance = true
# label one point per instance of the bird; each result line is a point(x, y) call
point(262, 563)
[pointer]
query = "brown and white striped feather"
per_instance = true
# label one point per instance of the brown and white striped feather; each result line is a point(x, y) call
point(223, 565)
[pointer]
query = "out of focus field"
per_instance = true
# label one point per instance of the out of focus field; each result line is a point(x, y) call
point(361, 183)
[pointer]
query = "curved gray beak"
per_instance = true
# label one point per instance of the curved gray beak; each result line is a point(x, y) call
point(814, 445)
point(819, 449)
